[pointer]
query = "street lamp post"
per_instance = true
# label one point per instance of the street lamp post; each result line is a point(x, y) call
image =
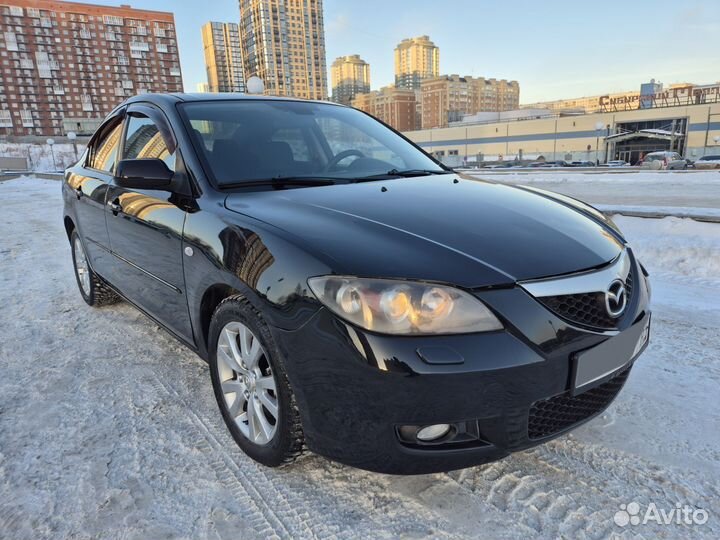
point(73, 137)
point(50, 143)
point(599, 126)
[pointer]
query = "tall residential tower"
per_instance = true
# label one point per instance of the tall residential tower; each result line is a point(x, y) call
point(223, 61)
point(283, 43)
point(416, 59)
point(65, 65)
point(350, 76)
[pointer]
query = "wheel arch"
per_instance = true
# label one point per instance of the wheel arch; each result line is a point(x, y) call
point(69, 226)
point(210, 300)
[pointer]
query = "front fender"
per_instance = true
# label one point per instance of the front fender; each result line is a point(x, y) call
point(243, 256)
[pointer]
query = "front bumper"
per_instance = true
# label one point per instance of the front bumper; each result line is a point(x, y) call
point(355, 389)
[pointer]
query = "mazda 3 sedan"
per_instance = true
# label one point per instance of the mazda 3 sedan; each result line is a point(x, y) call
point(352, 295)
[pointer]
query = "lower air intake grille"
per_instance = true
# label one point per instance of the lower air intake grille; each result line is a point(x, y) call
point(558, 413)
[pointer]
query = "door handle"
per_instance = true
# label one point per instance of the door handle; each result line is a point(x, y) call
point(115, 207)
point(78, 192)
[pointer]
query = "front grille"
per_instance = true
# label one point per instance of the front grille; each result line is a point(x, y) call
point(558, 413)
point(586, 309)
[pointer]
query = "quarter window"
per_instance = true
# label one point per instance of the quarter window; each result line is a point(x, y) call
point(143, 140)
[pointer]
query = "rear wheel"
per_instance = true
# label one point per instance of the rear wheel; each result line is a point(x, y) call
point(94, 290)
point(251, 386)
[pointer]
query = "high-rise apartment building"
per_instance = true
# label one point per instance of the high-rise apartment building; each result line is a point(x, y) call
point(350, 76)
point(283, 43)
point(416, 59)
point(223, 61)
point(448, 98)
point(394, 106)
point(65, 65)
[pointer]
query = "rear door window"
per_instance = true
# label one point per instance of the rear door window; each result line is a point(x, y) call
point(103, 154)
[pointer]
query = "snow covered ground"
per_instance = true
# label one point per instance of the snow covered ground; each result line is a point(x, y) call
point(645, 189)
point(108, 427)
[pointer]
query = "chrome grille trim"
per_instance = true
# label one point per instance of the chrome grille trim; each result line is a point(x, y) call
point(585, 282)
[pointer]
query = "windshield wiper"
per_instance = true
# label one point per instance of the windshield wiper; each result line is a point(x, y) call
point(279, 182)
point(405, 173)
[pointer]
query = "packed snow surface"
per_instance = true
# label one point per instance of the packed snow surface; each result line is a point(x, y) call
point(638, 188)
point(109, 429)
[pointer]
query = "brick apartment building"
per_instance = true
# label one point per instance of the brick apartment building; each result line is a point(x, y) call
point(394, 106)
point(65, 65)
point(447, 98)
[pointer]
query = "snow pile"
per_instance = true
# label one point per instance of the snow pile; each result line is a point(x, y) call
point(655, 211)
point(675, 245)
point(601, 175)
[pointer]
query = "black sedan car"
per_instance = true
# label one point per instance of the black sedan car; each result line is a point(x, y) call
point(351, 294)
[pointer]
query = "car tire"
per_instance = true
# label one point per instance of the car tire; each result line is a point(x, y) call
point(93, 289)
point(261, 415)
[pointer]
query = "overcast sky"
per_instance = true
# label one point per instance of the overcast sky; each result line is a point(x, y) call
point(554, 49)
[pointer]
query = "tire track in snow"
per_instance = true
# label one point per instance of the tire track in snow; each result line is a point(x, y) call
point(573, 489)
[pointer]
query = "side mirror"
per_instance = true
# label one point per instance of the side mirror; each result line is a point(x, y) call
point(148, 173)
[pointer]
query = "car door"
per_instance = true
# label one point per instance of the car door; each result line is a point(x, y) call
point(89, 183)
point(146, 226)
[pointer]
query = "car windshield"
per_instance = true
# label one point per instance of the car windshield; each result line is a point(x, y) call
point(254, 140)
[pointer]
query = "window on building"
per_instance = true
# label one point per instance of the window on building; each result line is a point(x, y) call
point(26, 118)
point(11, 43)
point(5, 119)
point(86, 101)
point(112, 19)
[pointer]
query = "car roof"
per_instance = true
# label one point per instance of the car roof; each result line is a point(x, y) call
point(180, 97)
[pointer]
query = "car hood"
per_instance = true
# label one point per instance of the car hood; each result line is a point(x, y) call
point(444, 228)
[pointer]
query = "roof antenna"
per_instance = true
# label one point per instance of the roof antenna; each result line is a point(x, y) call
point(255, 85)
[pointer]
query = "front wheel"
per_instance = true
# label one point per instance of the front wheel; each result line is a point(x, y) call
point(251, 386)
point(93, 290)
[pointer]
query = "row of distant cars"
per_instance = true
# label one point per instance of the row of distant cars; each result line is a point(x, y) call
point(663, 160)
point(673, 161)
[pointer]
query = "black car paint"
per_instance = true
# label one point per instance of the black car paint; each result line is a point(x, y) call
point(354, 387)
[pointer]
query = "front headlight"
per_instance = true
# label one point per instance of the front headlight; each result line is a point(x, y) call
point(403, 307)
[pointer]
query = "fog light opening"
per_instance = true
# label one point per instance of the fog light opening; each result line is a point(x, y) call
point(433, 432)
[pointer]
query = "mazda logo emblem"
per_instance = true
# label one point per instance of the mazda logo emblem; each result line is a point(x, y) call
point(615, 299)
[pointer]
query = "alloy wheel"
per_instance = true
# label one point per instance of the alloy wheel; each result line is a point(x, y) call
point(247, 382)
point(81, 266)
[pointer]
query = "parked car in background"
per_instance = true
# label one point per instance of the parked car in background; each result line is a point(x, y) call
point(618, 163)
point(294, 245)
point(506, 165)
point(708, 162)
point(555, 164)
point(582, 164)
point(663, 160)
